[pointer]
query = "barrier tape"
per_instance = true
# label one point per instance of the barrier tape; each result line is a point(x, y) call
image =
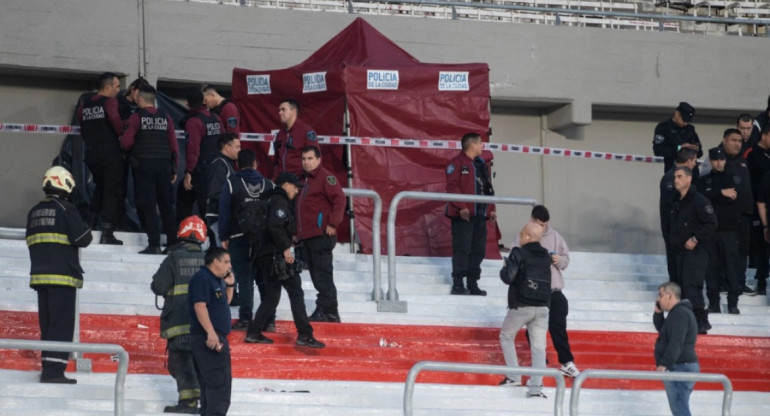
point(377, 141)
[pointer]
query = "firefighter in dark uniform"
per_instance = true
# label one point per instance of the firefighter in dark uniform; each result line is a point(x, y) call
point(319, 209)
point(208, 297)
point(203, 130)
point(291, 139)
point(721, 186)
point(101, 126)
point(467, 173)
point(693, 223)
point(55, 232)
point(668, 194)
point(674, 134)
point(275, 260)
point(151, 139)
point(220, 169)
point(170, 281)
point(226, 110)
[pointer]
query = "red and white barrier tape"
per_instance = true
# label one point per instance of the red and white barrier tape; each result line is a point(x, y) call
point(377, 141)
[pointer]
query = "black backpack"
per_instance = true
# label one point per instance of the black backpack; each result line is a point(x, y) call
point(252, 219)
point(534, 289)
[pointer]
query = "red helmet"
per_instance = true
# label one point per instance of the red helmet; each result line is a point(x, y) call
point(192, 228)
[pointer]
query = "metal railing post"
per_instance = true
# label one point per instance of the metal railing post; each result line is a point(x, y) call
point(376, 249)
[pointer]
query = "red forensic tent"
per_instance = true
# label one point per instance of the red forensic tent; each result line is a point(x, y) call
point(384, 92)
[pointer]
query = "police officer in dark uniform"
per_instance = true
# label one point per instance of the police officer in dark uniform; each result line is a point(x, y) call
point(276, 263)
point(55, 232)
point(220, 169)
point(226, 110)
point(291, 139)
point(100, 126)
point(693, 223)
point(668, 194)
point(128, 102)
point(319, 210)
point(170, 281)
point(203, 130)
point(467, 173)
point(674, 134)
point(151, 139)
point(721, 186)
point(758, 162)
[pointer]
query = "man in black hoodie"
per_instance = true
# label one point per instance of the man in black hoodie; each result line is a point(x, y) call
point(675, 346)
point(534, 265)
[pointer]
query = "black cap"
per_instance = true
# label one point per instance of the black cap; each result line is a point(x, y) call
point(686, 111)
point(289, 177)
point(716, 153)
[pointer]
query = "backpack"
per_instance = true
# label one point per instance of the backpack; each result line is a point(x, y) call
point(252, 218)
point(535, 289)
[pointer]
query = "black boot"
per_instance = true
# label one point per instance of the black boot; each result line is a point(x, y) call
point(108, 237)
point(458, 287)
point(189, 406)
point(702, 317)
point(714, 305)
point(473, 287)
point(732, 307)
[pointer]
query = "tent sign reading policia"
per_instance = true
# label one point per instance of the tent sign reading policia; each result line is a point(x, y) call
point(381, 79)
point(453, 81)
point(314, 82)
point(258, 84)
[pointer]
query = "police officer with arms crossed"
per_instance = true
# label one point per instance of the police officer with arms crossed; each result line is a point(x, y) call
point(100, 126)
point(55, 232)
point(208, 304)
point(171, 281)
point(319, 209)
point(276, 260)
point(151, 140)
point(467, 173)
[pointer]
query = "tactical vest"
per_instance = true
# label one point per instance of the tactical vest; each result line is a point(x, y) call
point(152, 138)
point(174, 320)
point(209, 148)
point(95, 127)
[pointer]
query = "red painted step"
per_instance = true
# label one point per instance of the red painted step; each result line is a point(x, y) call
point(353, 352)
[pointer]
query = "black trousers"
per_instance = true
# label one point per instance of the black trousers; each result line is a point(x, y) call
point(108, 172)
point(272, 296)
point(214, 373)
point(744, 239)
point(758, 251)
point(469, 243)
point(691, 268)
point(671, 262)
point(319, 262)
point(152, 182)
point(56, 315)
point(181, 366)
point(557, 326)
point(186, 200)
point(723, 267)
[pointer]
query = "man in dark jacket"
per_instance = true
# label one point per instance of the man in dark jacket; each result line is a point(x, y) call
point(170, 281)
point(674, 134)
point(245, 186)
point(675, 346)
point(693, 223)
point(668, 194)
point(220, 169)
point(55, 232)
point(276, 263)
point(535, 266)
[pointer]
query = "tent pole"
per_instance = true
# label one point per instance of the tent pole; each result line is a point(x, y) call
point(349, 158)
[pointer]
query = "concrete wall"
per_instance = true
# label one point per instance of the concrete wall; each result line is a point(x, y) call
point(608, 87)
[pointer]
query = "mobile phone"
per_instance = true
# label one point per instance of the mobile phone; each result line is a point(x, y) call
point(657, 305)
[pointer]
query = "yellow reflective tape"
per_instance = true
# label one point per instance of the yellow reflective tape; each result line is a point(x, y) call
point(189, 394)
point(54, 238)
point(177, 290)
point(175, 331)
point(55, 279)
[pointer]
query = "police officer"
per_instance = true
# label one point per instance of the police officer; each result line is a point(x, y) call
point(721, 186)
point(226, 110)
point(674, 134)
point(668, 194)
point(692, 225)
point(203, 130)
point(319, 209)
point(291, 139)
point(55, 232)
point(237, 191)
point(151, 140)
point(100, 126)
point(467, 173)
point(758, 162)
point(170, 281)
point(220, 169)
point(276, 263)
point(128, 102)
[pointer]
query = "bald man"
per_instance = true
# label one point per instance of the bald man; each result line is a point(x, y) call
point(528, 302)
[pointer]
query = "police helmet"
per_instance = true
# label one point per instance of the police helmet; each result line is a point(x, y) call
point(59, 179)
point(192, 229)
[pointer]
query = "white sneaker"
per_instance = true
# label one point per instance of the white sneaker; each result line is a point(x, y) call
point(570, 370)
point(531, 394)
point(509, 382)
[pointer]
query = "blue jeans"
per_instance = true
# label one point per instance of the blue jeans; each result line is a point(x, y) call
point(678, 392)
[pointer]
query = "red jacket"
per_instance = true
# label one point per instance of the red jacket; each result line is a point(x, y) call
point(320, 202)
point(288, 147)
point(461, 179)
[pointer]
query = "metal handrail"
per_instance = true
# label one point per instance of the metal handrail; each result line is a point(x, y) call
point(411, 378)
point(376, 250)
point(433, 196)
point(727, 399)
point(120, 378)
point(12, 233)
